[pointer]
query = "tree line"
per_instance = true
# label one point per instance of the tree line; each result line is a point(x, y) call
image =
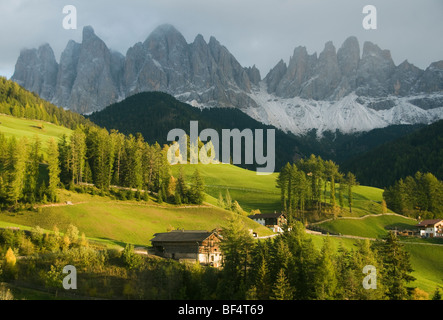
point(21, 178)
point(91, 158)
point(20, 103)
point(311, 184)
point(418, 196)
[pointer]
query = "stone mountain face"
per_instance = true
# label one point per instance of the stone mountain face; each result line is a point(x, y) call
point(36, 70)
point(90, 76)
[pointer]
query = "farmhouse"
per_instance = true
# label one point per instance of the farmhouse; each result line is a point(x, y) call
point(431, 228)
point(189, 245)
point(274, 221)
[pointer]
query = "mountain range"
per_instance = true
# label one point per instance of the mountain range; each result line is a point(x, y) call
point(345, 89)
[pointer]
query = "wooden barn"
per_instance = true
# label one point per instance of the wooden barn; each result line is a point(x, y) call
point(189, 245)
point(274, 221)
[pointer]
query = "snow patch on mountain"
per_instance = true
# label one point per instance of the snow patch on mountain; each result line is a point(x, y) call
point(348, 115)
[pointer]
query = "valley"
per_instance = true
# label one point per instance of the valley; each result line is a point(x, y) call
point(85, 179)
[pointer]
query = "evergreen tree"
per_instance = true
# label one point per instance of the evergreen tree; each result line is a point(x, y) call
point(53, 168)
point(350, 183)
point(18, 154)
point(181, 187)
point(437, 295)
point(32, 171)
point(221, 201)
point(396, 268)
point(326, 278)
point(197, 192)
point(228, 200)
point(237, 249)
point(77, 155)
point(282, 289)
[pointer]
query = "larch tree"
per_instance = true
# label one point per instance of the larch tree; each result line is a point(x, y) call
point(53, 169)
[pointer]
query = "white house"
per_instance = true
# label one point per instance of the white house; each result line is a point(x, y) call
point(431, 228)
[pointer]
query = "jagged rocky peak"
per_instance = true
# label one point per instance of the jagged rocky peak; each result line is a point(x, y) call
point(326, 75)
point(94, 85)
point(275, 75)
point(166, 43)
point(432, 79)
point(375, 70)
point(348, 56)
point(404, 78)
point(67, 73)
point(36, 70)
point(300, 69)
point(253, 75)
point(88, 33)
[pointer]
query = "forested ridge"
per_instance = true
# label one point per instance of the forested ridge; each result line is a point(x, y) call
point(154, 114)
point(20, 103)
point(421, 151)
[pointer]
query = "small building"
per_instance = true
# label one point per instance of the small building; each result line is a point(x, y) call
point(274, 221)
point(189, 245)
point(431, 228)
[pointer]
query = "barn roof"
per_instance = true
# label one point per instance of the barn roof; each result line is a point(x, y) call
point(426, 223)
point(182, 236)
point(265, 215)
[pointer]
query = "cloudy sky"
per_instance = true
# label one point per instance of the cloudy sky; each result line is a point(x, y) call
point(259, 32)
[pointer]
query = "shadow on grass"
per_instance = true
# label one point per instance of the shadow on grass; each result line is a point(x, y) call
point(117, 242)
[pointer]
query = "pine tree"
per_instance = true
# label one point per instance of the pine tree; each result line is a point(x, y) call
point(32, 171)
point(228, 200)
point(350, 183)
point(182, 188)
point(326, 278)
point(437, 295)
point(198, 188)
point(396, 268)
point(263, 281)
point(282, 184)
point(77, 155)
point(282, 289)
point(53, 168)
point(237, 249)
point(220, 201)
point(18, 159)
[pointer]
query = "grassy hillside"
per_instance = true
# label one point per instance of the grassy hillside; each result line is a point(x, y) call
point(369, 227)
point(121, 222)
point(254, 191)
point(19, 127)
point(249, 189)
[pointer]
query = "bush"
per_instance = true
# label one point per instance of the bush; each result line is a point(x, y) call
point(132, 260)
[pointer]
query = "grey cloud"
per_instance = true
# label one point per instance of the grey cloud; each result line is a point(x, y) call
point(259, 32)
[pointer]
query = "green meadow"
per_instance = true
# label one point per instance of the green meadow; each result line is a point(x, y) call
point(369, 226)
point(119, 222)
point(17, 127)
